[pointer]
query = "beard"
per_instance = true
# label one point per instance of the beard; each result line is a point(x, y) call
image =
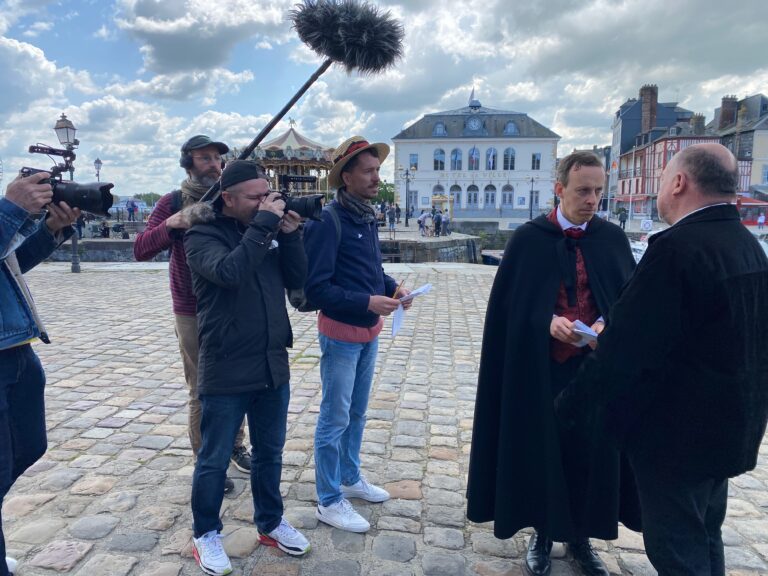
point(208, 178)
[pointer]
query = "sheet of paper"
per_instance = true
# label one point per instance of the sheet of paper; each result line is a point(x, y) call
point(399, 315)
point(420, 291)
point(397, 320)
point(587, 334)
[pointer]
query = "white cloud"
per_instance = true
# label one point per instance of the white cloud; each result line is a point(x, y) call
point(179, 35)
point(184, 85)
point(105, 33)
point(36, 28)
point(29, 75)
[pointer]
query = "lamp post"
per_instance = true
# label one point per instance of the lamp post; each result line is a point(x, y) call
point(408, 174)
point(530, 198)
point(65, 132)
point(97, 164)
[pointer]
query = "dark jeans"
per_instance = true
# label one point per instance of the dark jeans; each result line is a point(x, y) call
point(682, 518)
point(267, 412)
point(22, 420)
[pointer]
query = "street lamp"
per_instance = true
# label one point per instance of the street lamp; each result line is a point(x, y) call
point(65, 132)
point(97, 164)
point(408, 174)
point(530, 198)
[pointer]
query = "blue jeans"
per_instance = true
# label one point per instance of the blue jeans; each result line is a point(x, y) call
point(267, 412)
point(346, 370)
point(22, 420)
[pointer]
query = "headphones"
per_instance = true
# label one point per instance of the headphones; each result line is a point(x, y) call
point(186, 161)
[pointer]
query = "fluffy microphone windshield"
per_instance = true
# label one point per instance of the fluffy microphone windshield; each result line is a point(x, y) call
point(354, 34)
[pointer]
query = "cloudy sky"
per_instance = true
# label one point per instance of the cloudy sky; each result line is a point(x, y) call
point(138, 77)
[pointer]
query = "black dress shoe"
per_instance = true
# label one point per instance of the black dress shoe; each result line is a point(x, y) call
point(537, 560)
point(229, 485)
point(587, 559)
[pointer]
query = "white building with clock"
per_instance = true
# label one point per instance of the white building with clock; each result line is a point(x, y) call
point(477, 163)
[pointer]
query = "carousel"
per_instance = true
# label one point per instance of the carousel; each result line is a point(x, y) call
point(292, 154)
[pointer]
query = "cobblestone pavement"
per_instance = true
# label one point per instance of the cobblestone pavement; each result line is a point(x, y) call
point(111, 496)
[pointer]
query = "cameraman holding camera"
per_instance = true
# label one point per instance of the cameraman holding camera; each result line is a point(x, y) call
point(24, 243)
point(201, 158)
point(242, 258)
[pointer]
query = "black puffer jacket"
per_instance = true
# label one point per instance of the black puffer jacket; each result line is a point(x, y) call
point(239, 277)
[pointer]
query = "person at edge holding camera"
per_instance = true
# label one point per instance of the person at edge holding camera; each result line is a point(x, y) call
point(201, 158)
point(243, 255)
point(24, 242)
point(347, 282)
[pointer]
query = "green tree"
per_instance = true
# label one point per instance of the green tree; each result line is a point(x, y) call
point(386, 193)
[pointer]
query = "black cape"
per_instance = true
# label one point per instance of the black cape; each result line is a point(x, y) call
point(516, 475)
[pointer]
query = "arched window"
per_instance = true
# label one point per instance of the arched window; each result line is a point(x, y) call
point(456, 193)
point(438, 190)
point(439, 130)
point(510, 129)
point(472, 193)
point(456, 159)
point(490, 195)
point(490, 159)
point(473, 159)
point(509, 159)
point(507, 195)
point(439, 159)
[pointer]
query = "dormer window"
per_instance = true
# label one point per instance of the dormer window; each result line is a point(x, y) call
point(510, 129)
point(439, 130)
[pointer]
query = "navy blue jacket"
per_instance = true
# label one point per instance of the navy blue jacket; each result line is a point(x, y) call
point(342, 276)
point(17, 323)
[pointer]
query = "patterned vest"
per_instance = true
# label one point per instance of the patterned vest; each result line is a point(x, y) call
point(581, 307)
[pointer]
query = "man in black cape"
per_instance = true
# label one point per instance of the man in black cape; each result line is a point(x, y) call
point(680, 378)
point(523, 471)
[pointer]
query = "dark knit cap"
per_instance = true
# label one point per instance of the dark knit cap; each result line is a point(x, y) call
point(239, 171)
point(201, 141)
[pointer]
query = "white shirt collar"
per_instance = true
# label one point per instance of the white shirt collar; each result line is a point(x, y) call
point(703, 208)
point(565, 223)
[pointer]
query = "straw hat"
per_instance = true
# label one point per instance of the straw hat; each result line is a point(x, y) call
point(348, 150)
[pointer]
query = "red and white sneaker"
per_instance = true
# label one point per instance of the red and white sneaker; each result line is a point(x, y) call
point(210, 554)
point(286, 538)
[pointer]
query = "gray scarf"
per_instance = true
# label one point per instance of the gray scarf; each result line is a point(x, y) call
point(192, 191)
point(360, 208)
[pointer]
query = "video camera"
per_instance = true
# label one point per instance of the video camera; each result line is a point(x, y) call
point(305, 206)
point(93, 197)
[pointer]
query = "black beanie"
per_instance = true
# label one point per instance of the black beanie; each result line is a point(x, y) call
point(240, 171)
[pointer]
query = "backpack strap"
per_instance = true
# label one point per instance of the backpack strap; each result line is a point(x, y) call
point(176, 201)
point(335, 217)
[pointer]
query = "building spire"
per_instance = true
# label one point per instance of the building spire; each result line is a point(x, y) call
point(474, 103)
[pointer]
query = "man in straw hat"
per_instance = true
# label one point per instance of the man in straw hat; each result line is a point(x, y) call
point(347, 283)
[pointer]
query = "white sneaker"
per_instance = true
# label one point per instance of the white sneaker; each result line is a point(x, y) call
point(286, 538)
point(341, 515)
point(210, 554)
point(11, 563)
point(365, 491)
